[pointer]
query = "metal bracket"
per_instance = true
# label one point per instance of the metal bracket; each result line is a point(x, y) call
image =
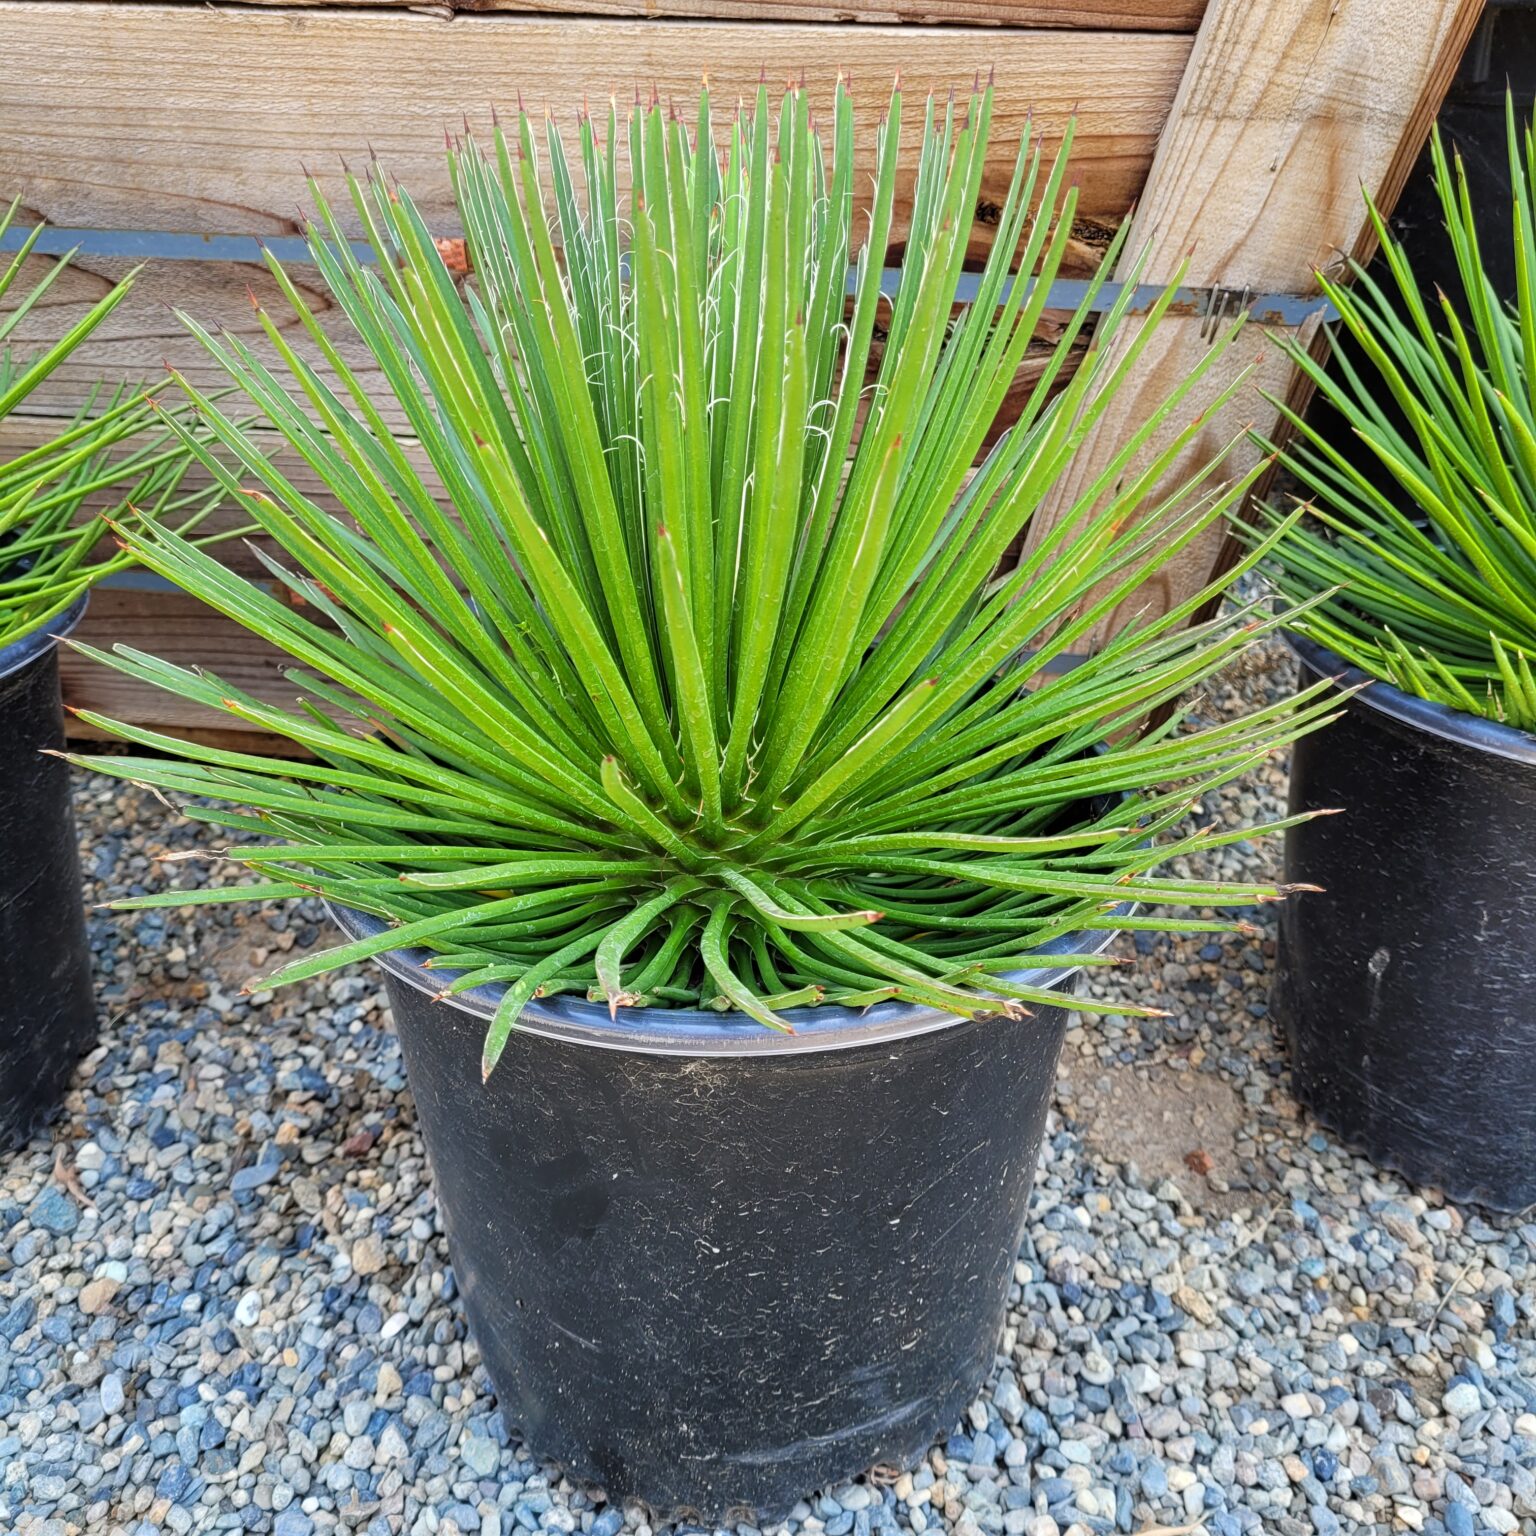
point(1213, 306)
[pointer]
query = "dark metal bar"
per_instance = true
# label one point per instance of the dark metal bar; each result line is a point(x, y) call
point(1283, 309)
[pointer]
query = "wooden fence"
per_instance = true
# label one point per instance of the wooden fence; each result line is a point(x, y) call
point(1242, 130)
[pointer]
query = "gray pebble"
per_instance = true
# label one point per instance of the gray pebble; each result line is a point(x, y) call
point(480, 1455)
point(54, 1212)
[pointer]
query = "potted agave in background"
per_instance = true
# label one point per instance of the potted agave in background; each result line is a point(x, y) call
point(48, 561)
point(726, 831)
point(1408, 990)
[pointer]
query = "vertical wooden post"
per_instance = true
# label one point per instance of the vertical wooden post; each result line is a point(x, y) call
point(1286, 110)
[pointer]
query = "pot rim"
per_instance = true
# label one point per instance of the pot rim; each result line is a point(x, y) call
point(38, 642)
point(1453, 725)
point(695, 1032)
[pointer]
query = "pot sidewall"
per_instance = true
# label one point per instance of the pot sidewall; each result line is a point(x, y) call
point(718, 1283)
point(1407, 988)
point(48, 1014)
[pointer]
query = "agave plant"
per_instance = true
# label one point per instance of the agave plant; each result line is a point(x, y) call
point(1420, 568)
point(47, 550)
point(663, 658)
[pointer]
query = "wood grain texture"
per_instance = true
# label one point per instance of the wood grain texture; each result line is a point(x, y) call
point(1128, 15)
point(177, 628)
point(26, 429)
point(1286, 110)
point(222, 151)
point(197, 118)
point(145, 336)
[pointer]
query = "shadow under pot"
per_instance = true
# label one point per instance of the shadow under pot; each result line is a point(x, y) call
point(47, 1006)
point(1407, 987)
point(714, 1267)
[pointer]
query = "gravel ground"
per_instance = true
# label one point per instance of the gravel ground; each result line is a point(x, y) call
point(226, 1304)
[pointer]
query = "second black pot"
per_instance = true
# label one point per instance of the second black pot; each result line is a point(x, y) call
point(714, 1267)
point(1407, 988)
point(47, 1006)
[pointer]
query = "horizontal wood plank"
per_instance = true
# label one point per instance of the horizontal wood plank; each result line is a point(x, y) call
point(146, 336)
point(1127, 15)
point(224, 155)
point(122, 359)
point(179, 629)
point(200, 118)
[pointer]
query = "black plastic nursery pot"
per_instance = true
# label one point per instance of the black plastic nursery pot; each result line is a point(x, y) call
point(47, 1007)
point(715, 1267)
point(1407, 988)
